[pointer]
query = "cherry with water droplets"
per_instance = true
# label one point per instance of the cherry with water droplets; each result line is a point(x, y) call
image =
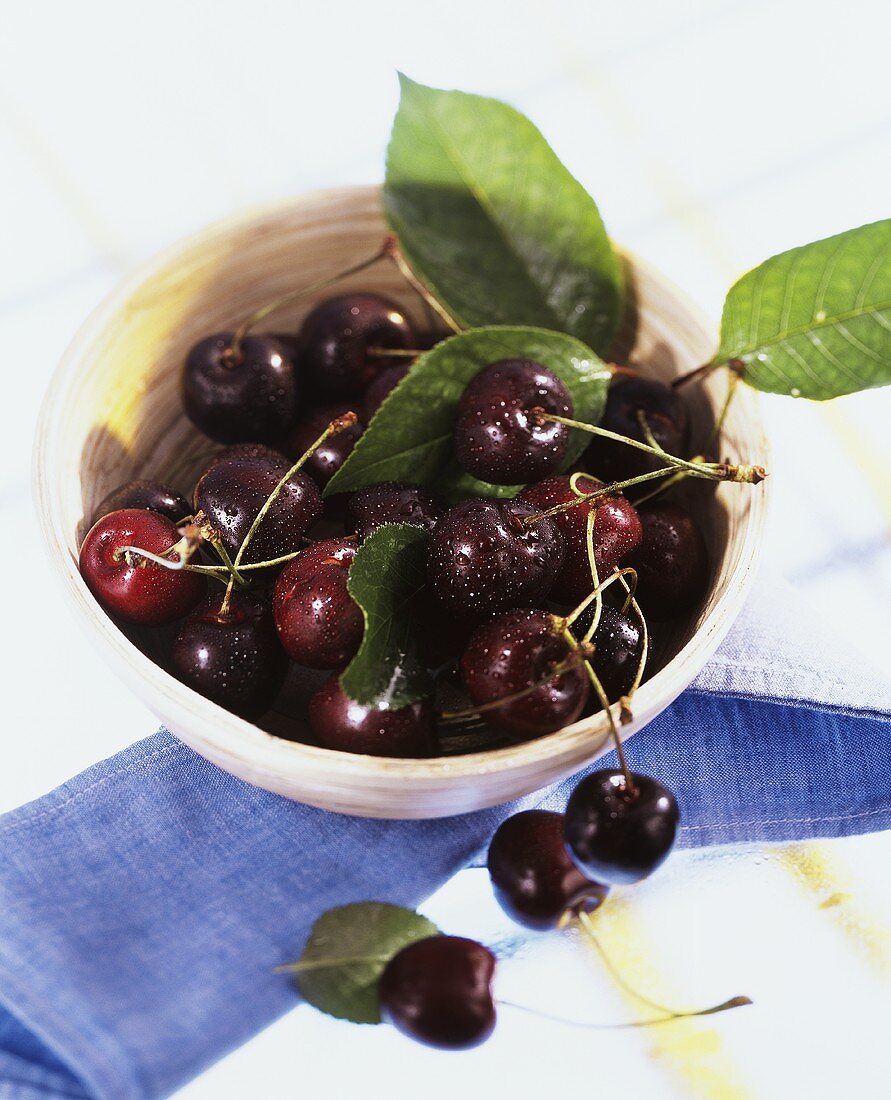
point(128, 585)
point(381, 388)
point(486, 556)
point(525, 651)
point(438, 991)
point(145, 494)
point(335, 338)
point(671, 561)
point(393, 502)
point(232, 491)
point(231, 657)
point(498, 437)
point(666, 415)
point(319, 623)
point(330, 455)
point(617, 531)
point(616, 835)
point(618, 647)
point(342, 724)
point(533, 876)
point(247, 393)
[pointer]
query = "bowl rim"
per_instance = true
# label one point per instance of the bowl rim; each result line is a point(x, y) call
point(263, 753)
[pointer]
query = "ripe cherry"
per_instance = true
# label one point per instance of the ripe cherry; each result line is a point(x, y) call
point(671, 561)
point(616, 835)
point(243, 394)
point(319, 623)
point(618, 645)
point(340, 723)
point(380, 389)
point(130, 586)
point(665, 414)
point(393, 502)
point(534, 879)
point(517, 652)
point(337, 334)
point(145, 494)
point(232, 658)
point(484, 556)
point(329, 456)
point(498, 437)
point(439, 992)
point(617, 531)
point(232, 491)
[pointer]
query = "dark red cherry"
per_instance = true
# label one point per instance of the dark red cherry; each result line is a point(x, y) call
point(130, 586)
point(232, 491)
point(327, 459)
point(618, 644)
point(617, 836)
point(484, 557)
point(671, 561)
point(244, 395)
point(335, 338)
point(497, 436)
point(393, 502)
point(233, 659)
point(534, 879)
point(438, 991)
point(319, 623)
point(517, 652)
point(617, 532)
point(339, 723)
point(381, 388)
point(145, 494)
point(246, 451)
point(666, 417)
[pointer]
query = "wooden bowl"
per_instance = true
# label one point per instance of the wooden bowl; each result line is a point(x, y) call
point(113, 413)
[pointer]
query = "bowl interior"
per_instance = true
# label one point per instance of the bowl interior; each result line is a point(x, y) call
point(114, 413)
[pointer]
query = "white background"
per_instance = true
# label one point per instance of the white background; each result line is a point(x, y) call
point(712, 135)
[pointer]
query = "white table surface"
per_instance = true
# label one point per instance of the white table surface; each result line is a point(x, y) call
point(712, 135)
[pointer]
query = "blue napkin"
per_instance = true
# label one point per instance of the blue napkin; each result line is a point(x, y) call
point(144, 904)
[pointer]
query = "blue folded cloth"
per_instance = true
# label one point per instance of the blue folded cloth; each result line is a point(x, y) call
point(144, 904)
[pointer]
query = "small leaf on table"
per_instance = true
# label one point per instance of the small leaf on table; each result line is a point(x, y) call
point(410, 436)
point(346, 953)
point(386, 577)
point(815, 321)
point(492, 222)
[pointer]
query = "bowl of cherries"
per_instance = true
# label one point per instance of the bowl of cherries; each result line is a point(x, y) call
point(360, 549)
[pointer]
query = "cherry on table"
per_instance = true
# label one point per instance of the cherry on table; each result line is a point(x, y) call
point(381, 388)
point(486, 556)
point(671, 561)
point(232, 658)
point(617, 531)
point(619, 836)
point(152, 495)
point(666, 416)
point(247, 393)
point(319, 623)
point(232, 491)
point(130, 586)
point(519, 651)
point(335, 338)
point(327, 458)
point(393, 502)
point(342, 724)
point(438, 991)
point(498, 438)
point(533, 876)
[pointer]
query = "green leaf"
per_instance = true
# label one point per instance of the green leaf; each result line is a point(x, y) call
point(815, 321)
point(410, 436)
point(346, 953)
point(491, 220)
point(387, 574)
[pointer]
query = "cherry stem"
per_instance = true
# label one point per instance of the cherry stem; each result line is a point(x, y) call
point(394, 353)
point(612, 489)
point(177, 566)
point(628, 372)
point(393, 251)
point(630, 789)
point(294, 295)
point(692, 375)
point(599, 590)
point(734, 1002)
point(715, 471)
